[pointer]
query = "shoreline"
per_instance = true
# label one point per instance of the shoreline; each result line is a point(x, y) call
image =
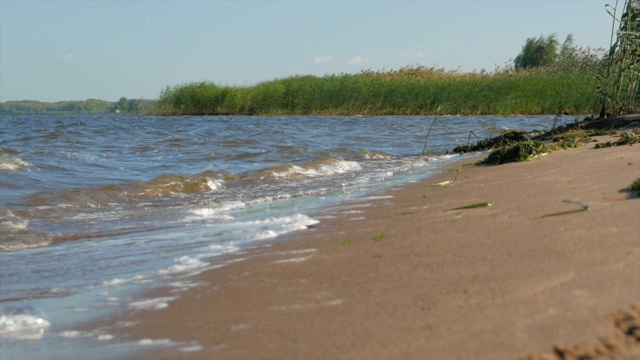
point(401, 275)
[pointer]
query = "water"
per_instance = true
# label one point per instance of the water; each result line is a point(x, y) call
point(96, 208)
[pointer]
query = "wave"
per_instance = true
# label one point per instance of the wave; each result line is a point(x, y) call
point(323, 167)
point(23, 323)
point(163, 186)
point(9, 161)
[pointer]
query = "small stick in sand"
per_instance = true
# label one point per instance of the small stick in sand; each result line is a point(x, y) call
point(473, 206)
point(583, 207)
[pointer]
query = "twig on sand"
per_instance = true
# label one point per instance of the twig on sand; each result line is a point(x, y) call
point(473, 206)
point(583, 207)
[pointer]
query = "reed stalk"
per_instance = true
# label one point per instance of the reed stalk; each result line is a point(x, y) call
point(435, 118)
point(619, 80)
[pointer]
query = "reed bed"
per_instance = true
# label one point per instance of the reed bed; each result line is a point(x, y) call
point(619, 77)
point(413, 90)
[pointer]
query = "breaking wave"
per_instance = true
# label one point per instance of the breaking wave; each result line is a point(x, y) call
point(9, 161)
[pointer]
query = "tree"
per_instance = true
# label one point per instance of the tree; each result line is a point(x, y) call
point(536, 52)
point(122, 104)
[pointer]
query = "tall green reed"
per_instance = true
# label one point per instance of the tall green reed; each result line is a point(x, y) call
point(414, 90)
point(619, 79)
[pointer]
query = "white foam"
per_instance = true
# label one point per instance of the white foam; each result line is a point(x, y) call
point(59, 291)
point(78, 334)
point(104, 337)
point(183, 284)
point(23, 326)
point(113, 301)
point(16, 225)
point(301, 251)
point(152, 304)
point(184, 263)
point(125, 323)
point(193, 348)
point(224, 249)
point(115, 282)
point(12, 163)
point(377, 197)
point(208, 213)
point(163, 342)
point(264, 235)
point(216, 212)
point(292, 260)
point(271, 227)
point(324, 169)
point(180, 286)
point(214, 184)
point(74, 334)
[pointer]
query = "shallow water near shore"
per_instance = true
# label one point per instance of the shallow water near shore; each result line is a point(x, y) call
point(96, 209)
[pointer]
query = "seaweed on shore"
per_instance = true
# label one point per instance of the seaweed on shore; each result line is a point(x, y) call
point(509, 146)
point(572, 140)
point(517, 146)
point(625, 139)
point(506, 137)
point(519, 151)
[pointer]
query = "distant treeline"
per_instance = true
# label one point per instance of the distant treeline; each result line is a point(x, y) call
point(124, 105)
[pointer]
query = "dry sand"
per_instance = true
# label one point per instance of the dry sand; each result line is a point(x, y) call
point(407, 278)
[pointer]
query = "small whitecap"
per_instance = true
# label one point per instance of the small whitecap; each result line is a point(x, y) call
point(105, 337)
point(23, 323)
point(114, 282)
point(264, 235)
point(152, 304)
point(292, 260)
point(163, 342)
point(183, 263)
point(74, 334)
point(126, 323)
point(214, 184)
point(192, 348)
point(12, 163)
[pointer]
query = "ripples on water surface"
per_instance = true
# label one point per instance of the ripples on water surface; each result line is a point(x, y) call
point(93, 201)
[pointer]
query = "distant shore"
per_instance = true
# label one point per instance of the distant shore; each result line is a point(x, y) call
point(403, 276)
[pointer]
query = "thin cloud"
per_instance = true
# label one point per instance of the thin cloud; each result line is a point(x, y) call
point(66, 59)
point(420, 55)
point(319, 60)
point(358, 61)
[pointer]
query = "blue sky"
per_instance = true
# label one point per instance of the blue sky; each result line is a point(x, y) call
point(76, 50)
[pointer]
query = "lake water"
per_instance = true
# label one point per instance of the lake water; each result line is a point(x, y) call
point(94, 209)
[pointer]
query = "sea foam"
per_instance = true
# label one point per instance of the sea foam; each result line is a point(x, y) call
point(23, 323)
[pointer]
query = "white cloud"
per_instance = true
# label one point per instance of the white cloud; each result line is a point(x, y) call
point(67, 58)
point(322, 59)
point(420, 55)
point(358, 61)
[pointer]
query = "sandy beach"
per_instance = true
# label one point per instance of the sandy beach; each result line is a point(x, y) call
point(403, 276)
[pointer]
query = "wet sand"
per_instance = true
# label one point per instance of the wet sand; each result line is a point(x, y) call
point(404, 277)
